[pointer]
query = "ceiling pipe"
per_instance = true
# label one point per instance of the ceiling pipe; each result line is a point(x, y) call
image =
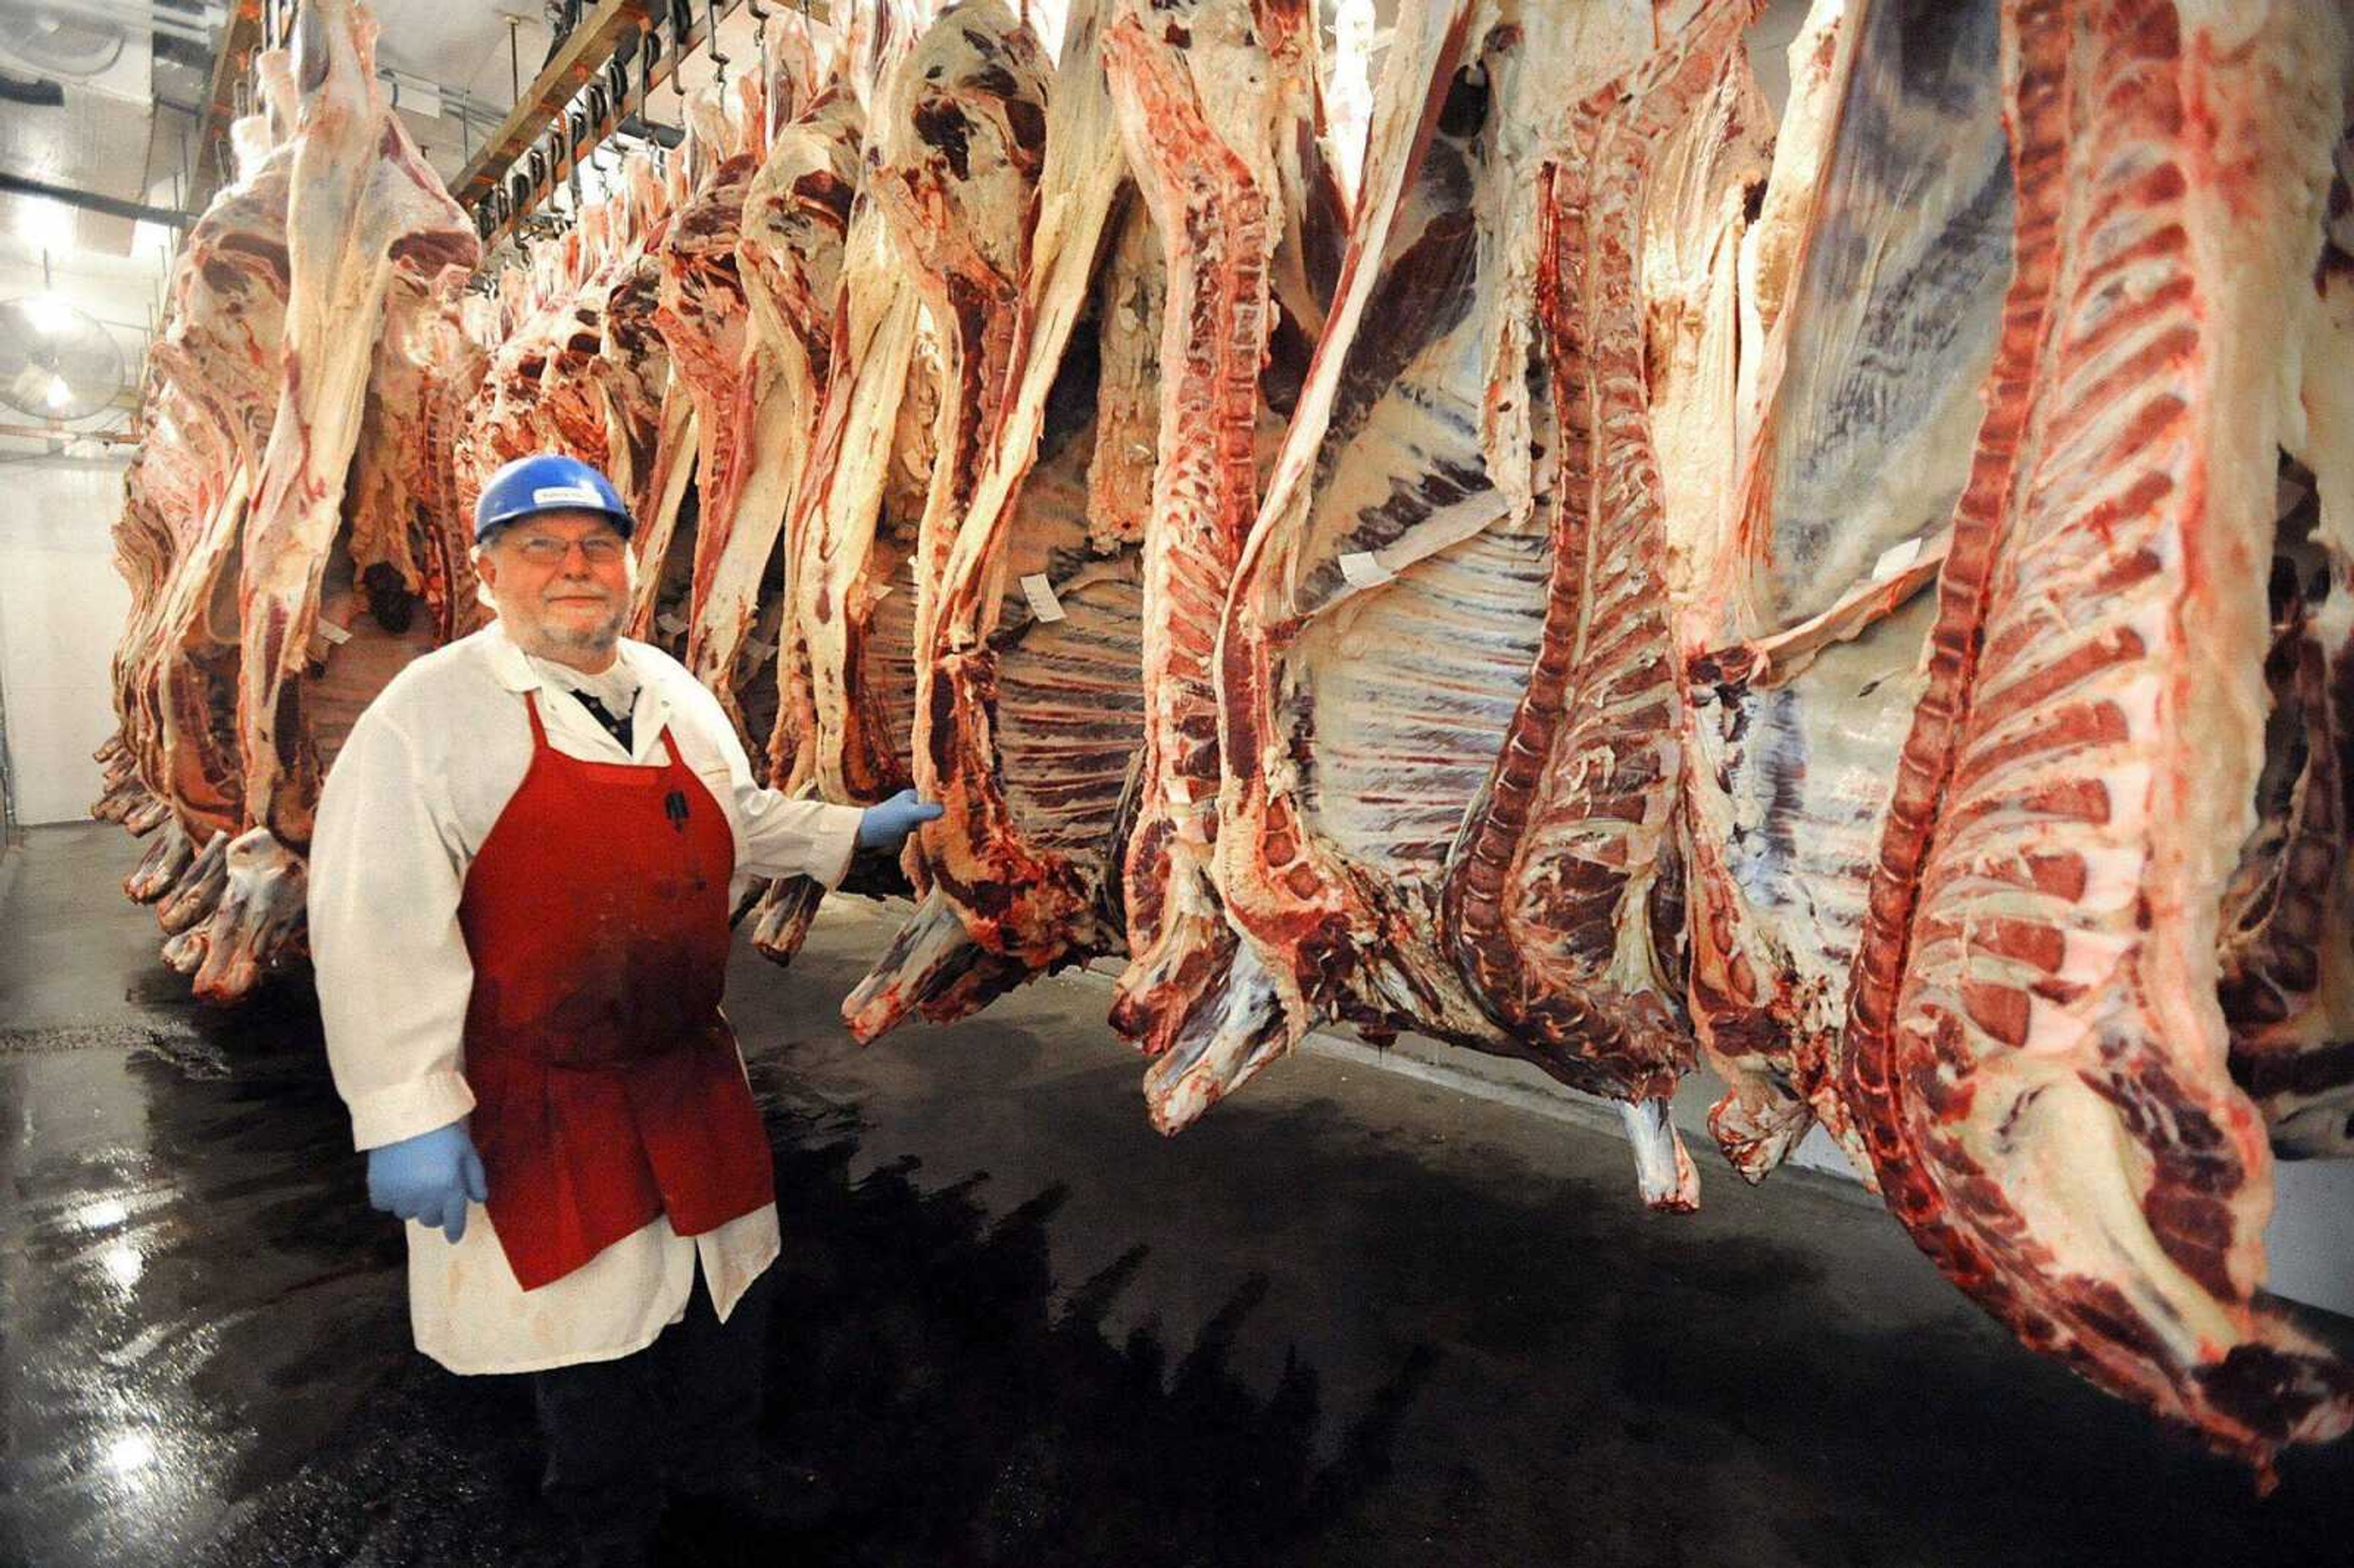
point(114, 207)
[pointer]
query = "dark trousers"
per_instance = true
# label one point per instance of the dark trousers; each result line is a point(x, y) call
point(680, 1414)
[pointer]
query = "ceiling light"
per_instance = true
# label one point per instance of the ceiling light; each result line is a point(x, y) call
point(51, 312)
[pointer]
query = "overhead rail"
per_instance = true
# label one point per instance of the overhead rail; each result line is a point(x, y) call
point(594, 85)
point(609, 57)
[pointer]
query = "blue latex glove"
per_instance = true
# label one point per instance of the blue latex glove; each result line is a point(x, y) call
point(428, 1178)
point(886, 826)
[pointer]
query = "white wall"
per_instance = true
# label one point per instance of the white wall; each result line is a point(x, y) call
point(61, 609)
point(61, 604)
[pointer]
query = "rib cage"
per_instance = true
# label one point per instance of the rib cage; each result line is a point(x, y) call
point(1288, 893)
point(2038, 970)
point(1859, 444)
point(1565, 900)
point(1423, 445)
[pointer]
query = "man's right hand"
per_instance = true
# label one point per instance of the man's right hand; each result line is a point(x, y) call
point(886, 826)
point(428, 1178)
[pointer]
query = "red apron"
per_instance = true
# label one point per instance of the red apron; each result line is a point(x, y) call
point(607, 1087)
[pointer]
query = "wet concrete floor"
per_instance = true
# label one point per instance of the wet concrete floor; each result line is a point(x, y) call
point(1348, 1319)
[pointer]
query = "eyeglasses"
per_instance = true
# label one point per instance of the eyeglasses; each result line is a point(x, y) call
point(548, 550)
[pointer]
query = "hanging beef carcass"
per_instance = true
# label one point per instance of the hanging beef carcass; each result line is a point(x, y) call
point(1564, 897)
point(959, 149)
point(1393, 598)
point(217, 379)
point(703, 322)
point(2288, 921)
point(163, 479)
point(363, 207)
point(399, 582)
point(632, 364)
point(1875, 287)
point(1218, 111)
point(2036, 1055)
point(1401, 399)
point(174, 493)
point(794, 218)
point(931, 270)
point(144, 547)
point(1033, 716)
point(551, 385)
point(846, 664)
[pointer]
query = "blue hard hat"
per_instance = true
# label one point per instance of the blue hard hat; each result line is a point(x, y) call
point(548, 482)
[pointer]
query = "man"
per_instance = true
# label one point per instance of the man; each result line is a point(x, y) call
point(526, 860)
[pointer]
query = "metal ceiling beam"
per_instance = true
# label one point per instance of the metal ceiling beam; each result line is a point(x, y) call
point(91, 201)
point(584, 55)
point(581, 55)
point(241, 39)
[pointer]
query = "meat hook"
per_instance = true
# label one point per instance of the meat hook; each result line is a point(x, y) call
point(719, 61)
point(617, 89)
point(576, 128)
point(601, 104)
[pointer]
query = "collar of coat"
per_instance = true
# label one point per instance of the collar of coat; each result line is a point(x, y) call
point(514, 671)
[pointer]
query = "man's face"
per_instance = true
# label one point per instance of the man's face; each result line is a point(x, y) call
point(562, 584)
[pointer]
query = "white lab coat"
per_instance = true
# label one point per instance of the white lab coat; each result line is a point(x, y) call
point(424, 776)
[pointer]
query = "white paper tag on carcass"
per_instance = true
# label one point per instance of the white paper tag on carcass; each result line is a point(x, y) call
point(1179, 789)
point(672, 622)
point(1894, 559)
point(1041, 594)
point(338, 635)
point(1363, 571)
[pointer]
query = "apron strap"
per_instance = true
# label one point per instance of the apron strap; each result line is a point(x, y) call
point(538, 730)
